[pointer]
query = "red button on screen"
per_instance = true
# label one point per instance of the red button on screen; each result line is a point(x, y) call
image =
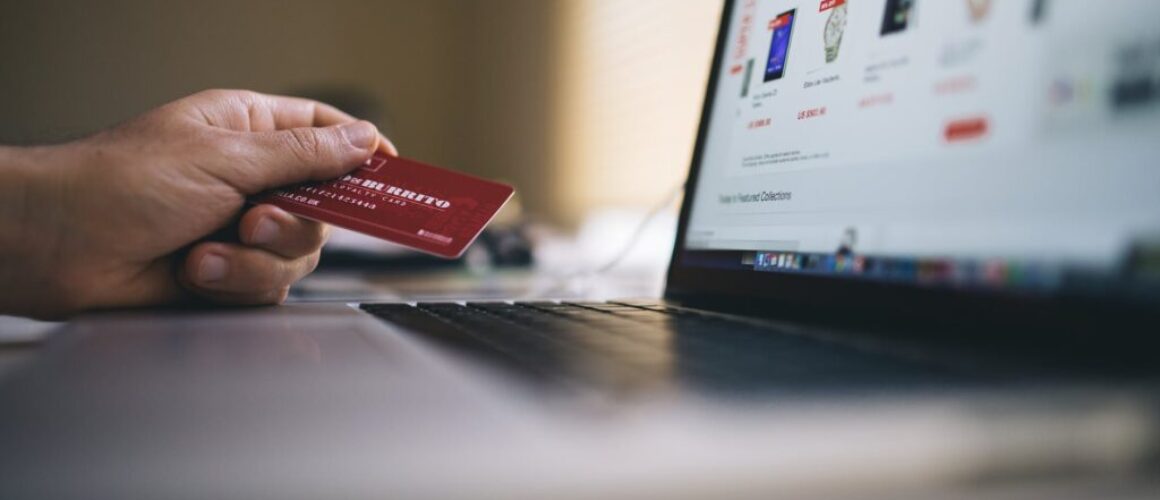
point(966, 129)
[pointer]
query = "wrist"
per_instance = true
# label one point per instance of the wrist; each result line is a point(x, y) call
point(31, 184)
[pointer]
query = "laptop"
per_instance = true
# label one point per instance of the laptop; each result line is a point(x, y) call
point(905, 222)
point(971, 179)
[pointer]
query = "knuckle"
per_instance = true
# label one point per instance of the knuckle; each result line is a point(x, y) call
point(305, 142)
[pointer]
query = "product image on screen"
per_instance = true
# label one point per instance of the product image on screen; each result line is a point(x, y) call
point(897, 16)
point(782, 27)
point(835, 28)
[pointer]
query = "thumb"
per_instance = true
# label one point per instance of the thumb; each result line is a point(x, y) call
point(304, 154)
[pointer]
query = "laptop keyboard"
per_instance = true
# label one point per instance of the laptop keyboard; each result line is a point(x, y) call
point(639, 346)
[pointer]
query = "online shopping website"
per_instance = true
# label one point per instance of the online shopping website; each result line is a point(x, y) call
point(960, 140)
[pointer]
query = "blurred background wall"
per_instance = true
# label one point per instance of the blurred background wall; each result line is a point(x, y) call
point(582, 104)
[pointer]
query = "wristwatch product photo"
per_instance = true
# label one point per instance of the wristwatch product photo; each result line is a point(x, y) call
point(835, 27)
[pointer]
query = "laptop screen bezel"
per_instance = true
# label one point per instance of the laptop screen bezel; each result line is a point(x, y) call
point(821, 296)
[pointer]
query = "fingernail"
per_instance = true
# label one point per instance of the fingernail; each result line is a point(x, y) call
point(265, 232)
point(361, 135)
point(213, 268)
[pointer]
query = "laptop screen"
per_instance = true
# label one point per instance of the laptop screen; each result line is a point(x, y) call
point(975, 144)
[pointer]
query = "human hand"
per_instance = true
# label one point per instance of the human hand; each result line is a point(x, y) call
point(120, 219)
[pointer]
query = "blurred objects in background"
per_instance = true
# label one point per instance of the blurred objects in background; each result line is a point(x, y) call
point(588, 107)
point(582, 104)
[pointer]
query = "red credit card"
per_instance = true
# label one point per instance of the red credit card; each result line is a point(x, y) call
point(427, 208)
